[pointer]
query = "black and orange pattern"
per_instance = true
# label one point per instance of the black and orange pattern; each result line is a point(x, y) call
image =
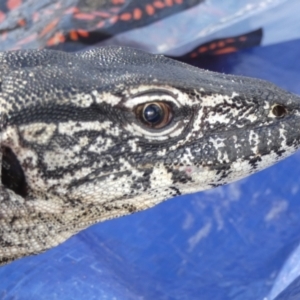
point(227, 45)
point(72, 25)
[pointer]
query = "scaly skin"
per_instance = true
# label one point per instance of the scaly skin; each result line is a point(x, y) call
point(76, 148)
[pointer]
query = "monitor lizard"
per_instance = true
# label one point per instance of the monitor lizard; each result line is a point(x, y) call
point(95, 135)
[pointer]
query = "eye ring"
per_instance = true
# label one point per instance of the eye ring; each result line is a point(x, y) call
point(154, 114)
point(279, 111)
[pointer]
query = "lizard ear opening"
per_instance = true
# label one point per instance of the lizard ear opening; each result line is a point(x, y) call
point(12, 175)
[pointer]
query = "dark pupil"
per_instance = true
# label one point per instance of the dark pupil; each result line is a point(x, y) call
point(153, 113)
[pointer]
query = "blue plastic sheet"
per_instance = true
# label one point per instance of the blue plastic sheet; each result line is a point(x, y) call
point(172, 27)
point(237, 242)
point(215, 19)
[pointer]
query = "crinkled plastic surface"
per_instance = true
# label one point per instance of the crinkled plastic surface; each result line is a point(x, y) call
point(237, 242)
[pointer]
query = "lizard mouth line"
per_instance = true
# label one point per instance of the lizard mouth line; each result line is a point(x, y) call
point(12, 174)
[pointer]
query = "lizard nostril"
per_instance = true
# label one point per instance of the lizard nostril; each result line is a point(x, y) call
point(279, 110)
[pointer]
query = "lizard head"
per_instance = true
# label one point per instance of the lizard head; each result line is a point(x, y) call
point(118, 130)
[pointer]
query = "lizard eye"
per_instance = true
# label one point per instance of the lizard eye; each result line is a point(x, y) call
point(154, 114)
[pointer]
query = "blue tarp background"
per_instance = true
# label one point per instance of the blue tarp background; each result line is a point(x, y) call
point(234, 242)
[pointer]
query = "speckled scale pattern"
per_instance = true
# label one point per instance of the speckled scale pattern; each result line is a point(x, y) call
point(74, 151)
